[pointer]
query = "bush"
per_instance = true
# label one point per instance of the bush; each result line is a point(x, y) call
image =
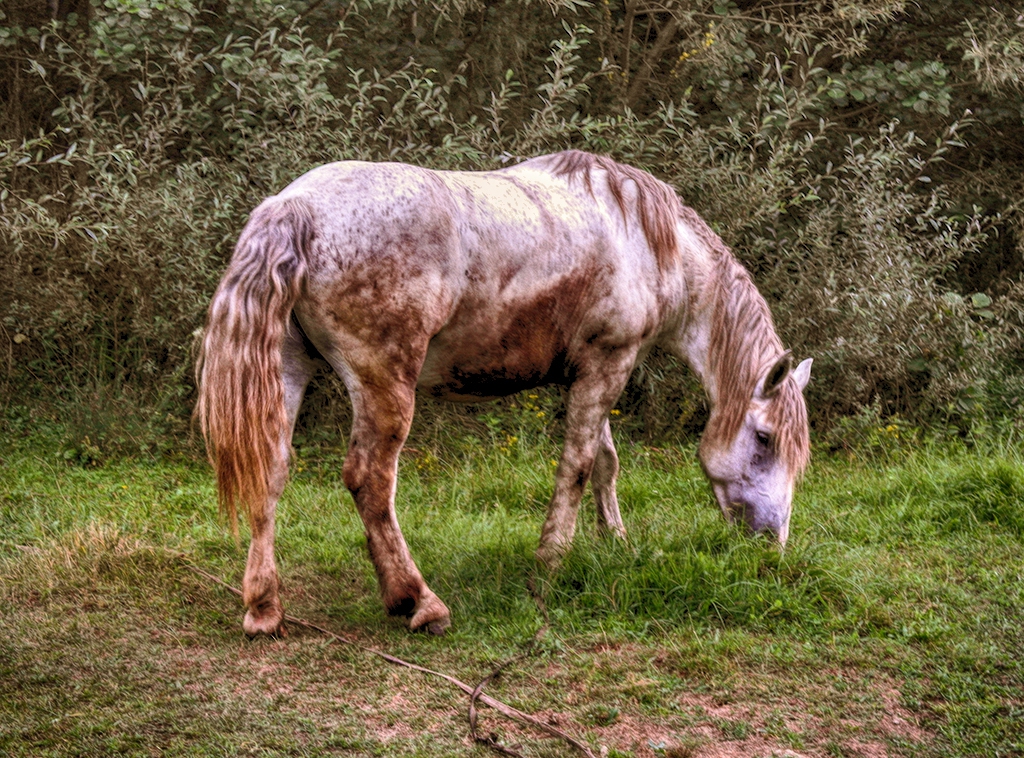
point(121, 202)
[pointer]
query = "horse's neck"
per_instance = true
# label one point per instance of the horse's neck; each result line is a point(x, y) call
point(726, 325)
point(693, 336)
point(700, 251)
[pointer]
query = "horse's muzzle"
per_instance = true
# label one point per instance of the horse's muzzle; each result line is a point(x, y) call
point(759, 518)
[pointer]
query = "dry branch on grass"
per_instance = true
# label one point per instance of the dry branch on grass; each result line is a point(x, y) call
point(475, 693)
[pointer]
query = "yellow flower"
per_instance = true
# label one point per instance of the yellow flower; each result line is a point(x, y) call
point(616, 412)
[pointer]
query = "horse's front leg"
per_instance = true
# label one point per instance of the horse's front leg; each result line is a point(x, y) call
point(382, 416)
point(590, 398)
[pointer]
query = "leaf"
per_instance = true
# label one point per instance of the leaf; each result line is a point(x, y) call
point(980, 300)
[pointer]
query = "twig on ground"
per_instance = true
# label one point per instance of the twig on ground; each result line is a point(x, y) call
point(491, 740)
point(475, 693)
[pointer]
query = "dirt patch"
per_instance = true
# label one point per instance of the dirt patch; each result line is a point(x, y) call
point(648, 738)
point(742, 749)
point(897, 721)
point(386, 730)
point(708, 727)
point(862, 749)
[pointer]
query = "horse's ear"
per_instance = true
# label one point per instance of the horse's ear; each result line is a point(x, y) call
point(778, 374)
point(802, 373)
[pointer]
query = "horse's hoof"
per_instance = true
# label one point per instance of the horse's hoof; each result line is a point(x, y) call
point(550, 555)
point(431, 615)
point(269, 624)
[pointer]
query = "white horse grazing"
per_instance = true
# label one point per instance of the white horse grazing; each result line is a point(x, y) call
point(565, 269)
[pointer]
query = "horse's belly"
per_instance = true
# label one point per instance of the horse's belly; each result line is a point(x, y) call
point(476, 369)
point(470, 386)
point(488, 352)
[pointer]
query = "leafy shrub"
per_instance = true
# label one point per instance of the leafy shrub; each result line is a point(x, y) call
point(121, 204)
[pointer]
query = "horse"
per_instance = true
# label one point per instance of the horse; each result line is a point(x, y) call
point(565, 269)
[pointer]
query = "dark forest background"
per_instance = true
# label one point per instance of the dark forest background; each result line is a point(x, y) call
point(864, 159)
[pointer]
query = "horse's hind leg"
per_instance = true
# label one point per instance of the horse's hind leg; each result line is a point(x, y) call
point(260, 586)
point(382, 414)
point(606, 470)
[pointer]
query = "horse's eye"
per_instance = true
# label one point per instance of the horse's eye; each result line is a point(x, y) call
point(764, 439)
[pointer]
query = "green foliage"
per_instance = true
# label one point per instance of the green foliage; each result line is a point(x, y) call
point(828, 146)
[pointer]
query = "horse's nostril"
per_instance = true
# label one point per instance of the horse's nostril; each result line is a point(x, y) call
point(754, 518)
point(765, 528)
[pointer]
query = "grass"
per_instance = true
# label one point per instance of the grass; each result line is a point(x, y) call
point(892, 624)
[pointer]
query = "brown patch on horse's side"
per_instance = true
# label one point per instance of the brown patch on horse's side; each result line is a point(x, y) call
point(519, 351)
point(657, 204)
point(527, 345)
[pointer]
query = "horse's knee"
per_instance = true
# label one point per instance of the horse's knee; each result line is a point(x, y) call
point(581, 479)
point(356, 468)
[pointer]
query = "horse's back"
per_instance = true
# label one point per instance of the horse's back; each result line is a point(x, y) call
point(372, 210)
point(509, 274)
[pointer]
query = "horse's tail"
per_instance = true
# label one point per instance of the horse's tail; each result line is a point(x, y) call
point(241, 407)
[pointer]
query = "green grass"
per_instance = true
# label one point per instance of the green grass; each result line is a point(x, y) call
point(893, 621)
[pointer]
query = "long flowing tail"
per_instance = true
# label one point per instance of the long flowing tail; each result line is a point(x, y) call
point(241, 398)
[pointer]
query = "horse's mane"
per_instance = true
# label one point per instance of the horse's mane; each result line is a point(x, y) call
point(657, 204)
point(743, 347)
point(744, 344)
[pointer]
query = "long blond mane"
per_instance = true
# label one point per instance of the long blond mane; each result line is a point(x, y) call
point(743, 347)
point(657, 204)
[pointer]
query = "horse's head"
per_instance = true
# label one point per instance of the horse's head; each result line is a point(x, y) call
point(753, 455)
